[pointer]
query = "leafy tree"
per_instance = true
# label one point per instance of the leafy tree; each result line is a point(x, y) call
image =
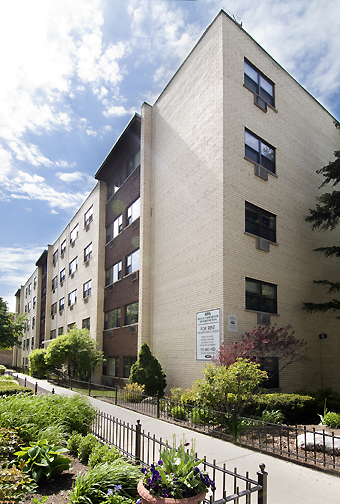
point(38, 366)
point(76, 350)
point(148, 371)
point(11, 327)
point(223, 387)
point(326, 216)
point(264, 341)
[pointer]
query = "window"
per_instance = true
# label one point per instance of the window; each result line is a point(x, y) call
point(87, 289)
point(28, 325)
point(29, 306)
point(88, 252)
point(111, 366)
point(55, 257)
point(114, 273)
point(54, 282)
point(60, 331)
point(114, 229)
point(63, 247)
point(88, 216)
point(61, 304)
point(32, 343)
point(261, 296)
point(33, 322)
point(133, 212)
point(35, 283)
point(26, 292)
point(86, 323)
point(258, 83)
point(259, 151)
point(73, 266)
point(25, 308)
point(271, 365)
point(34, 301)
point(260, 222)
point(53, 308)
point(23, 344)
point(53, 334)
point(72, 297)
point(62, 275)
point(74, 233)
point(133, 163)
point(30, 288)
point(112, 319)
point(131, 313)
point(127, 364)
point(132, 262)
point(70, 326)
point(113, 186)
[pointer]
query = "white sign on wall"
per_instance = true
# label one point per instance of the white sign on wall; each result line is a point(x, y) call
point(232, 323)
point(208, 334)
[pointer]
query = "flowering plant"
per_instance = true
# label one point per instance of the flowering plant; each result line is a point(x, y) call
point(114, 496)
point(177, 474)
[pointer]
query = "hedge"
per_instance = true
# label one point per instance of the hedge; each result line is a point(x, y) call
point(296, 408)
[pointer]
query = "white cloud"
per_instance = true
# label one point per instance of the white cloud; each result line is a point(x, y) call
point(117, 111)
point(29, 153)
point(91, 132)
point(71, 177)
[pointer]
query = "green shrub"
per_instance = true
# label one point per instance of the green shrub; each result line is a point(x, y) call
point(73, 443)
point(15, 484)
point(272, 416)
point(203, 416)
point(85, 447)
point(38, 366)
point(147, 371)
point(10, 388)
point(43, 460)
point(176, 393)
point(34, 413)
point(331, 419)
point(103, 453)
point(8, 378)
point(93, 487)
point(2, 369)
point(9, 442)
point(178, 412)
point(133, 392)
point(321, 395)
point(295, 408)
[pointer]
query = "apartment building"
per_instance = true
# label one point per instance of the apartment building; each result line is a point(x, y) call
point(198, 230)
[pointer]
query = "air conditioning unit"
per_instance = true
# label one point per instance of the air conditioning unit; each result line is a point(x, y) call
point(52, 317)
point(134, 224)
point(87, 263)
point(53, 290)
point(263, 318)
point(86, 300)
point(71, 307)
point(61, 284)
point(109, 333)
point(262, 244)
point(72, 275)
point(112, 242)
point(261, 172)
point(134, 276)
point(133, 329)
point(87, 227)
point(259, 102)
point(90, 218)
point(111, 287)
point(62, 255)
point(61, 311)
point(73, 243)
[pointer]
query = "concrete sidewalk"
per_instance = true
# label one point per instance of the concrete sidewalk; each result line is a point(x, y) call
point(288, 483)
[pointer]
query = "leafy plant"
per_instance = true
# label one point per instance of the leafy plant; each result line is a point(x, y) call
point(103, 453)
point(294, 407)
point(2, 369)
point(133, 392)
point(38, 366)
point(9, 442)
point(178, 412)
point(93, 487)
point(202, 416)
point(43, 460)
point(86, 446)
point(176, 474)
point(73, 443)
point(331, 419)
point(147, 371)
point(14, 484)
point(272, 416)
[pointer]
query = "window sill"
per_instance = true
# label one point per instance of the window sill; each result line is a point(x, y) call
point(256, 236)
point(254, 163)
point(257, 311)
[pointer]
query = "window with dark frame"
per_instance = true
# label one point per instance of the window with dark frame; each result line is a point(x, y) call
point(131, 314)
point(133, 212)
point(261, 296)
point(87, 289)
point(55, 282)
point(85, 324)
point(259, 151)
point(61, 304)
point(112, 319)
point(63, 247)
point(258, 83)
point(73, 266)
point(132, 164)
point(259, 222)
point(111, 366)
point(55, 257)
point(88, 252)
point(72, 297)
point(60, 331)
point(88, 216)
point(132, 262)
point(62, 275)
point(53, 309)
point(114, 273)
point(128, 361)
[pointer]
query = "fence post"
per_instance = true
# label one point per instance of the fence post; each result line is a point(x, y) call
point(25, 385)
point(52, 392)
point(36, 388)
point(116, 394)
point(157, 399)
point(90, 386)
point(262, 481)
point(234, 424)
point(138, 441)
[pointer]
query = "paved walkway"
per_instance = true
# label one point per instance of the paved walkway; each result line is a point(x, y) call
point(288, 483)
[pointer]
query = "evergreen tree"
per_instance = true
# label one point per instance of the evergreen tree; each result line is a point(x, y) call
point(326, 216)
point(147, 371)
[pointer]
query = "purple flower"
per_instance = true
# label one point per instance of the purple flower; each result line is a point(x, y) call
point(186, 444)
point(160, 462)
point(138, 501)
point(110, 491)
point(118, 488)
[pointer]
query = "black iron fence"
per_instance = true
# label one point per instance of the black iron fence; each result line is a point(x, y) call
point(312, 447)
point(143, 448)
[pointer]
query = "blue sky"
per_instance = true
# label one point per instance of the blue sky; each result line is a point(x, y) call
point(72, 73)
